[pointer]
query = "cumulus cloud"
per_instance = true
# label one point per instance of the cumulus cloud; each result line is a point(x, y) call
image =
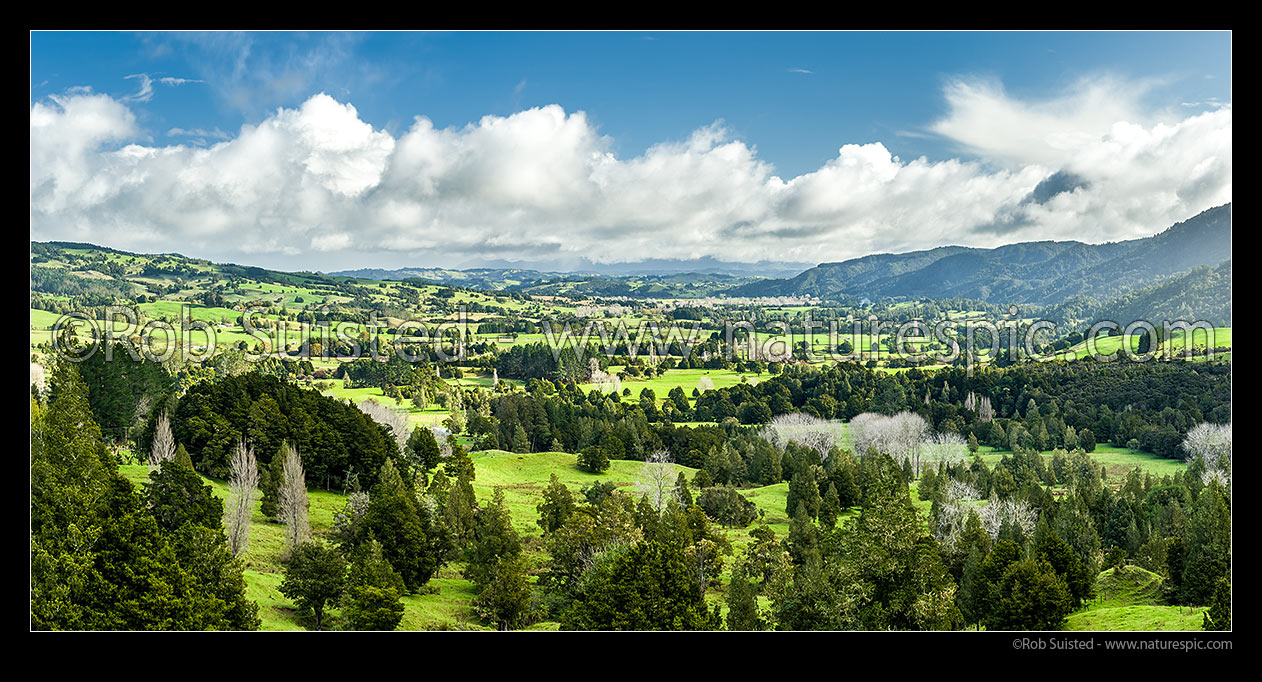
point(319, 184)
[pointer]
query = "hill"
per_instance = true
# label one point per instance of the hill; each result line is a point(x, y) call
point(1045, 273)
point(1131, 600)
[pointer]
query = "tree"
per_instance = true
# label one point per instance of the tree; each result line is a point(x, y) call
point(657, 480)
point(182, 457)
point(646, 586)
point(494, 538)
point(163, 442)
point(315, 575)
point(557, 505)
point(877, 572)
point(1086, 440)
point(373, 599)
point(742, 602)
point(176, 495)
point(1029, 596)
point(803, 492)
point(972, 594)
point(1208, 546)
point(413, 544)
point(1210, 442)
point(593, 459)
point(99, 559)
point(728, 507)
point(1218, 616)
point(460, 510)
point(395, 422)
point(830, 509)
point(242, 484)
point(292, 498)
point(507, 598)
point(423, 450)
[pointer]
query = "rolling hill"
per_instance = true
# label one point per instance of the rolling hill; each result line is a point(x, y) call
point(1045, 273)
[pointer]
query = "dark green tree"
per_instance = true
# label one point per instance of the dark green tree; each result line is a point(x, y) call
point(557, 505)
point(373, 598)
point(315, 576)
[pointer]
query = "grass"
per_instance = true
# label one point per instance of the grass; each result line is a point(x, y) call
point(1118, 462)
point(432, 415)
point(1106, 345)
point(446, 601)
point(683, 378)
point(1130, 600)
point(524, 476)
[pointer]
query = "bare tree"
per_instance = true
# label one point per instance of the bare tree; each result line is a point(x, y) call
point(394, 420)
point(292, 498)
point(657, 480)
point(985, 412)
point(944, 447)
point(959, 499)
point(37, 377)
point(1212, 443)
point(605, 382)
point(865, 432)
point(163, 443)
point(1015, 512)
point(803, 429)
point(243, 483)
point(900, 436)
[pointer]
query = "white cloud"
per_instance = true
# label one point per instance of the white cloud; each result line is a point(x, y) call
point(145, 92)
point(985, 120)
point(319, 184)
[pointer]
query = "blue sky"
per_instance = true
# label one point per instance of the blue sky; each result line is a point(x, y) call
point(791, 100)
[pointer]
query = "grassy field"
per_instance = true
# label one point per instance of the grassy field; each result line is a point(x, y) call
point(687, 379)
point(446, 601)
point(1117, 461)
point(1178, 342)
point(1129, 604)
point(432, 415)
point(1131, 601)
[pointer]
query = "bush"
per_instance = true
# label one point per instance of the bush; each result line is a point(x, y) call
point(593, 460)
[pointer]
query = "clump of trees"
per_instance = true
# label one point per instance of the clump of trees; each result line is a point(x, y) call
point(106, 557)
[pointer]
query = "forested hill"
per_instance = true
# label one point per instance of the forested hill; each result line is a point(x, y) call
point(1029, 272)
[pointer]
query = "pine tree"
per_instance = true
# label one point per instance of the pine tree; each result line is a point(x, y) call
point(682, 492)
point(494, 538)
point(1029, 596)
point(373, 598)
point(830, 509)
point(422, 449)
point(742, 603)
point(972, 592)
point(506, 600)
point(1208, 546)
point(1218, 616)
point(413, 544)
point(460, 514)
point(803, 538)
point(557, 505)
point(803, 492)
point(182, 457)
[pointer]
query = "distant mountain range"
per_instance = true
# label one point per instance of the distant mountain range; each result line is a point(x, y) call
point(532, 272)
point(1030, 272)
